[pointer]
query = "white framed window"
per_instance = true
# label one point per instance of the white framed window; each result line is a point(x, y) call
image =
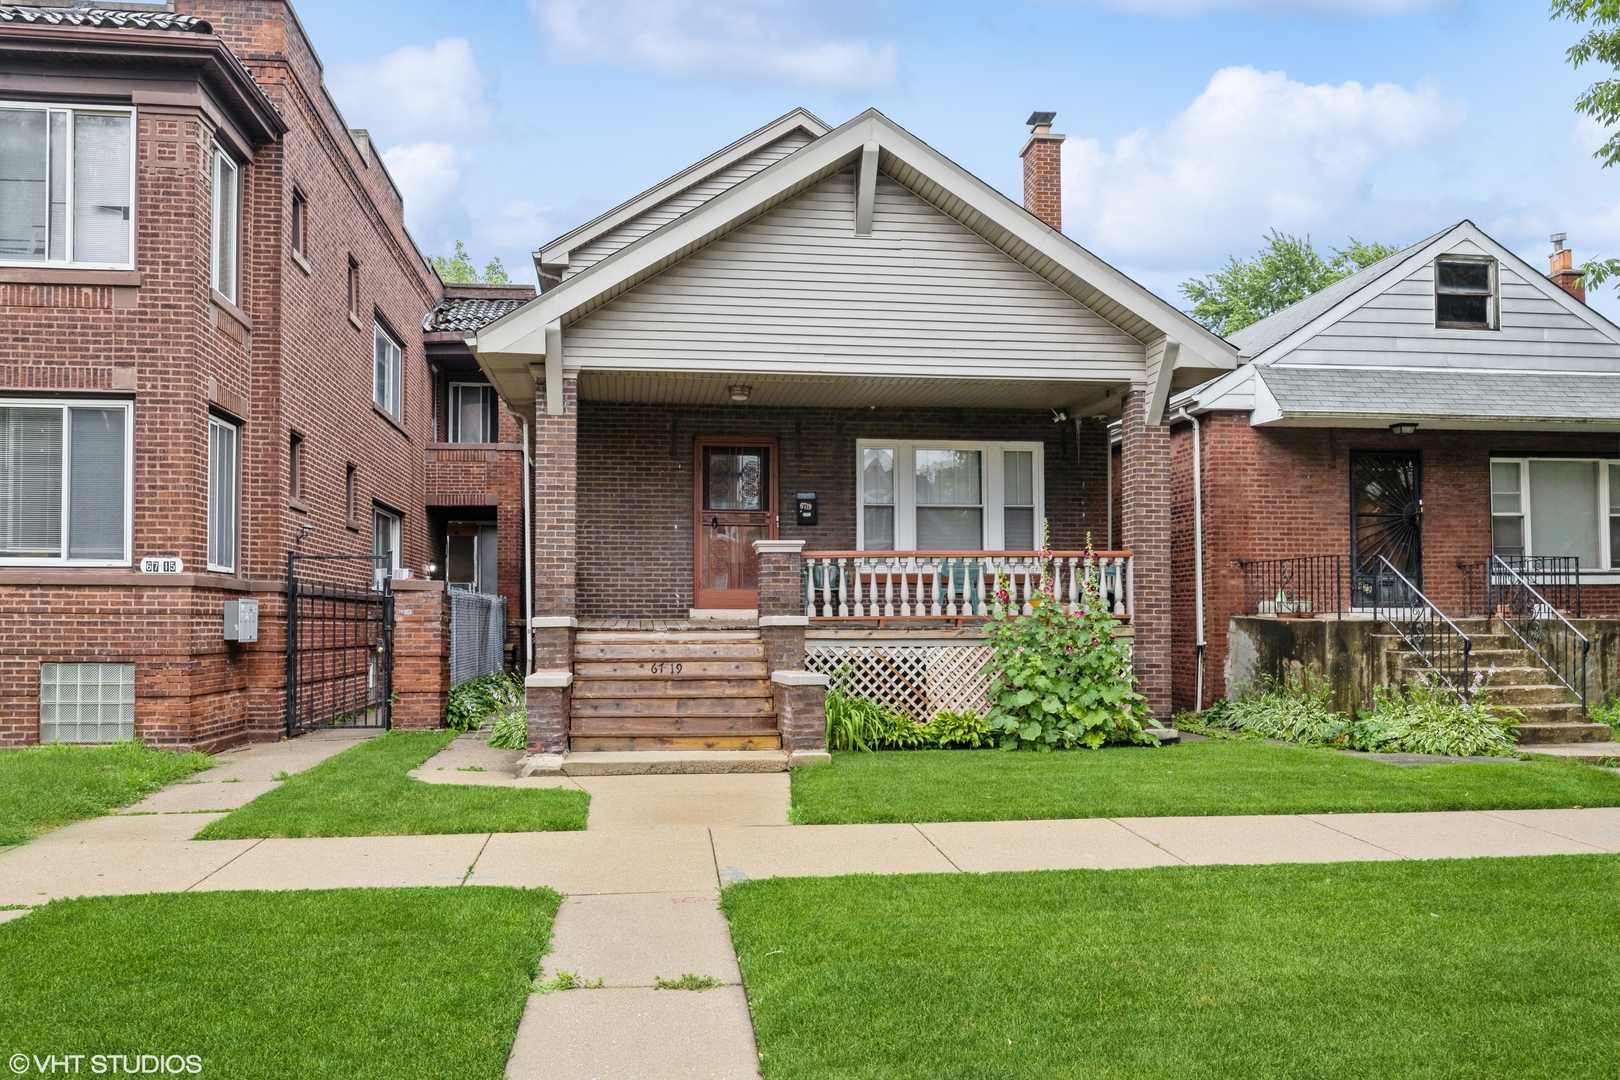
point(1557, 506)
point(386, 353)
point(224, 494)
point(948, 496)
point(471, 411)
point(1465, 292)
point(226, 257)
point(86, 703)
point(66, 473)
point(67, 186)
point(384, 545)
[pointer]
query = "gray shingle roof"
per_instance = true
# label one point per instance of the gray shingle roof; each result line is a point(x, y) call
point(467, 314)
point(89, 16)
point(1483, 395)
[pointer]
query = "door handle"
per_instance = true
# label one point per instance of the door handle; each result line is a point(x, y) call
point(714, 523)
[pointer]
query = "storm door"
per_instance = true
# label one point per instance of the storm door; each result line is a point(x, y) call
point(735, 505)
point(1386, 523)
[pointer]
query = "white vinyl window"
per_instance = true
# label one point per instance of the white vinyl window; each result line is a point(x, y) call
point(67, 186)
point(65, 482)
point(948, 496)
point(224, 460)
point(1557, 506)
point(385, 371)
point(384, 545)
point(472, 413)
point(226, 258)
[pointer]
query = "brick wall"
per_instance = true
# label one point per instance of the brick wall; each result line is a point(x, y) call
point(1145, 532)
point(421, 655)
point(635, 486)
point(1279, 493)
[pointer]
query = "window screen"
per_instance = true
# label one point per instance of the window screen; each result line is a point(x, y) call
point(226, 200)
point(950, 515)
point(96, 484)
point(101, 188)
point(24, 165)
point(1564, 509)
point(30, 482)
point(222, 495)
point(1018, 500)
point(1463, 293)
point(86, 703)
point(66, 186)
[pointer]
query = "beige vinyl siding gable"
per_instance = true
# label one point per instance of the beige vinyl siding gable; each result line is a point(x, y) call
point(797, 292)
point(1396, 329)
point(699, 193)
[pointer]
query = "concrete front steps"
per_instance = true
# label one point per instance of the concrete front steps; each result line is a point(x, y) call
point(671, 690)
point(1514, 676)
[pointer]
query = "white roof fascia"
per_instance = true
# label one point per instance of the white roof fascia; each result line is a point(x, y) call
point(1208, 396)
point(1463, 230)
point(556, 252)
point(521, 331)
point(1266, 408)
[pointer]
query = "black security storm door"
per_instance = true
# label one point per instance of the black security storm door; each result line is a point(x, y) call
point(1386, 519)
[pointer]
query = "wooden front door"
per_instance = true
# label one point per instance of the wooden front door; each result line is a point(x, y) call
point(735, 504)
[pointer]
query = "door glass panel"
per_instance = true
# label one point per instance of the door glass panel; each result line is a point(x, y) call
point(735, 478)
point(728, 557)
point(461, 560)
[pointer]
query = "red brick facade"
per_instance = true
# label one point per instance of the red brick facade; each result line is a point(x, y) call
point(1274, 493)
point(1145, 533)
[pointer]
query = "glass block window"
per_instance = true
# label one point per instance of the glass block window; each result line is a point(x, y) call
point(86, 703)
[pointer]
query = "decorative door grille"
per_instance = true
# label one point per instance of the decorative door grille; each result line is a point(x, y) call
point(1386, 521)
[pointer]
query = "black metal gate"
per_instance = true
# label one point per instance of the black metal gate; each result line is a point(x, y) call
point(1386, 519)
point(340, 638)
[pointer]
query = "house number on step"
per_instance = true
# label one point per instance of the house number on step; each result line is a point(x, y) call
point(666, 669)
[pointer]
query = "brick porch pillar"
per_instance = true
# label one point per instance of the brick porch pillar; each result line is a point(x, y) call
point(421, 655)
point(1145, 532)
point(555, 532)
point(800, 696)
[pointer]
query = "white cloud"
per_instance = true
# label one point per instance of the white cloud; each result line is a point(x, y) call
point(808, 43)
point(1255, 151)
point(1342, 8)
point(416, 93)
point(429, 177)
point(519, 224)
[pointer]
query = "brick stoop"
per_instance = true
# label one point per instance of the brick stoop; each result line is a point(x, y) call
point(671, 690)
point(1515, 677)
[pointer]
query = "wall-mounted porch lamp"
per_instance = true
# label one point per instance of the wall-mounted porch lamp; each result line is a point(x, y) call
point(1404, 427)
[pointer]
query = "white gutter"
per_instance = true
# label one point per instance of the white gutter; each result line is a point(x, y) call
point(528, 553)
point(1198, 546)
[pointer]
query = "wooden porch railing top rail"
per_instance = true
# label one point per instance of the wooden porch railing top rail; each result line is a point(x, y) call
point(897, 585)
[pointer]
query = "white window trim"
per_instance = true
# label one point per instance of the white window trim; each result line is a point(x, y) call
point(1494, 308)
point(1604, 465)
point(67, 487)
point(134, 165)
point(452, 421)
point(222, 157)
point(396, 528)
point(992, 486)
point(395, 408)
point(236, 502)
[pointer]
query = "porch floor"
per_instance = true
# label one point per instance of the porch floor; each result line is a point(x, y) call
point(629, 623)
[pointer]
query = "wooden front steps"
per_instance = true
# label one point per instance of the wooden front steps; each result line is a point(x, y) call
point(638, 690)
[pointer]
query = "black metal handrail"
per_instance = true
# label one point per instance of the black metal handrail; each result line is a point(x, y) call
point(1541, 626)
point(1555, 577)
point(1437, 640)
point(1305, 585)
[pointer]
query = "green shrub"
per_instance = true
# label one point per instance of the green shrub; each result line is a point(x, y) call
point(1293, 711)
point(511, 730)
point(1425, 717)
point(489, 699)
point(1609, 713)
point(1061, 680)
point(865, 724)
point(958, 731)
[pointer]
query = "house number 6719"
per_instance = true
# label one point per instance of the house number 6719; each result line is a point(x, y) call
point(666, 669)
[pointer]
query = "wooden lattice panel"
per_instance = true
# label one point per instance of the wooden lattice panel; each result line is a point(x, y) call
point(919, 680)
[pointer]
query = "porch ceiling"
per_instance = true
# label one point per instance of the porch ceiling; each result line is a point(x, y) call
point(667, 388)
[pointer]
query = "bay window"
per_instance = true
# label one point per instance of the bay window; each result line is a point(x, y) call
point(67, 186)
point(65, 483)
point(1557, 506)
point(948, 496)
point(223, 488)
point(227, 203)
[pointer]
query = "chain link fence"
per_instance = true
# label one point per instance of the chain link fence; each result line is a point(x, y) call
point(477, 634)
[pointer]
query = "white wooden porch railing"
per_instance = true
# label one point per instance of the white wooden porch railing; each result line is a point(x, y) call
point(954, 584)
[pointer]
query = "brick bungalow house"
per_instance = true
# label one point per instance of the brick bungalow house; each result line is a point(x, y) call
point(220, 345)
point(1443, 407)
point(825, 358)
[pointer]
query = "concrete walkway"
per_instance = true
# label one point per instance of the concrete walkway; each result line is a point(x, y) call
point(643, 880)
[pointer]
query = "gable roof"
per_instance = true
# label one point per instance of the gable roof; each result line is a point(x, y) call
point(508, 347)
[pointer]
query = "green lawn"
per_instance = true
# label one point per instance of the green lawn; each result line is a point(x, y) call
point(364, 792)
point(342, 983)
point(1216, 777)
point(1455, 968)
point(44, 787)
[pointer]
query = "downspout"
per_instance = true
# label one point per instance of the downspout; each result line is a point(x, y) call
point(1198, 548)
point(528, 553)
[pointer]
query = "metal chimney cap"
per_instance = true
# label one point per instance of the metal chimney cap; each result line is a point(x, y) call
point(1558, 241)
point(1040, 119)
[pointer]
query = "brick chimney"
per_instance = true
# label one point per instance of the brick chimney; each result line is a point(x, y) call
point(1563, 270)
point(1043, 170)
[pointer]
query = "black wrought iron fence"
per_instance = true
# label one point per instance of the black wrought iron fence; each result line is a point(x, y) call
point(1535, 620)
point(340, 632)
point(1438, 642)
point(1556, 577)
point(1308, 585)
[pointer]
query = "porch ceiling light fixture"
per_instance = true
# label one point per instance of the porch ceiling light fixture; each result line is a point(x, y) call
point(740, 392)
point(1403, 427)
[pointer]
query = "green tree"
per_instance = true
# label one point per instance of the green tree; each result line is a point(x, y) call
point(1601, 101)
point(1285, 271)
point(458, 269)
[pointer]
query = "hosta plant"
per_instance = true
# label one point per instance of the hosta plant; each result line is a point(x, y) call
point(1061, 679)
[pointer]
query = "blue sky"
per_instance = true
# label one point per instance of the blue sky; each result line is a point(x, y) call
point(1194, 125)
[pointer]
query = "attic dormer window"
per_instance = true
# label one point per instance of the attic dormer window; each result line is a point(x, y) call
point(1465, 293)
